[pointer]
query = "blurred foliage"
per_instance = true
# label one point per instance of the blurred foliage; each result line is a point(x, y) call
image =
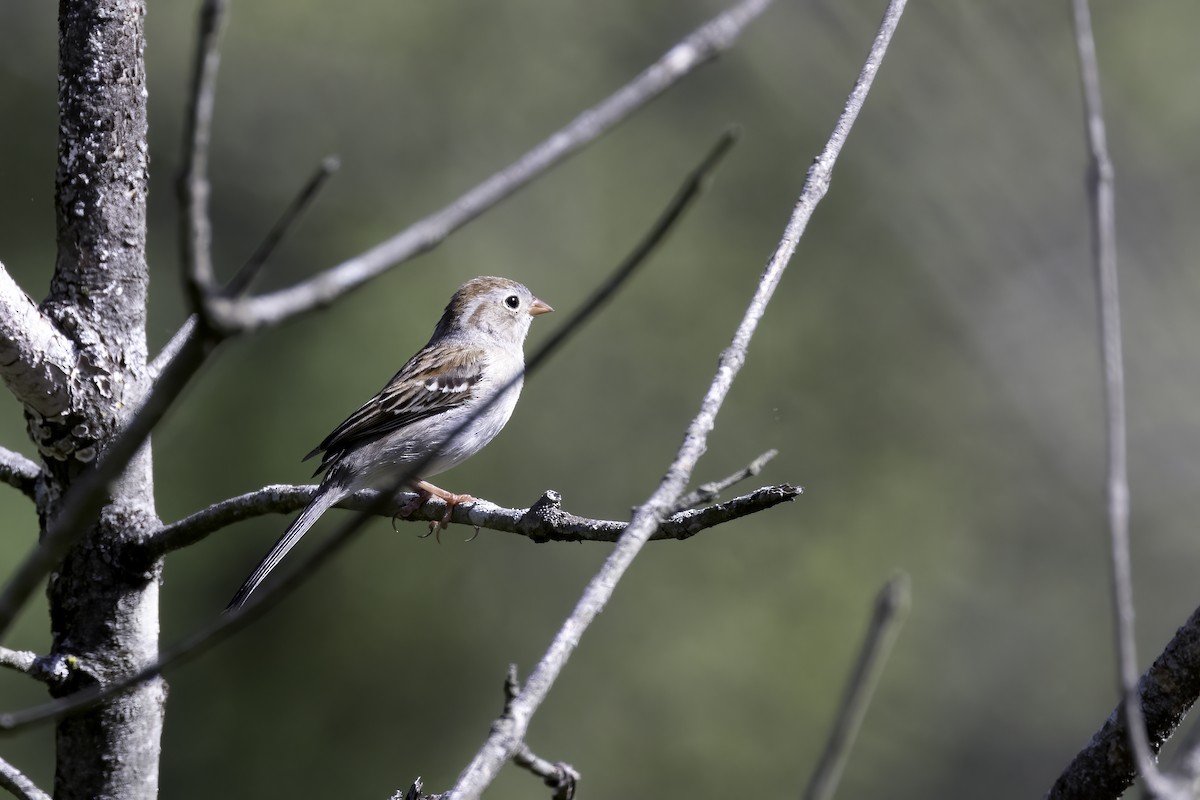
point(928, 371)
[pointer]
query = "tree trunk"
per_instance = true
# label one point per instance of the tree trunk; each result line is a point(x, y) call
point(104, 597)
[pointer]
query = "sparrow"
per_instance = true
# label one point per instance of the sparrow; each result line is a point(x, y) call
point(474, 352)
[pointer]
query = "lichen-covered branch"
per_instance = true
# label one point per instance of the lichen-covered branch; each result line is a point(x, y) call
point(544, 521)
point(18, 660)
point(36, 358)
point(19, 472)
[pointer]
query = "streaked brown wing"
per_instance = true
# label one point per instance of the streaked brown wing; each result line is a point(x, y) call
point(423, 387)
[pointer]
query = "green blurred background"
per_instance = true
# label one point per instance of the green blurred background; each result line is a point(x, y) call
point(928, 371)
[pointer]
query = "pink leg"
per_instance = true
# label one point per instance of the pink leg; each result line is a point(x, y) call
point(425, 490)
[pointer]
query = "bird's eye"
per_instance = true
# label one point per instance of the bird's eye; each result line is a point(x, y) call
point(512, 301)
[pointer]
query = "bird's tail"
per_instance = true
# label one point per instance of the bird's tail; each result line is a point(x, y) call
point(324, 498)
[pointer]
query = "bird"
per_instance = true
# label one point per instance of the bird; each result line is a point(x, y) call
point(475, 351)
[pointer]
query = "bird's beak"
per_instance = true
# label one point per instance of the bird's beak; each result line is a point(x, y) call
point(538, 307)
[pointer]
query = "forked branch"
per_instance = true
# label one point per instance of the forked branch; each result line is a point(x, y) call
point(544, 521)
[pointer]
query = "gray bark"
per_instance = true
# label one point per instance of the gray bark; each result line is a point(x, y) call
point(104, 596)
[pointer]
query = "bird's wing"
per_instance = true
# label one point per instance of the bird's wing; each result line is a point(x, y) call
point(431, 383)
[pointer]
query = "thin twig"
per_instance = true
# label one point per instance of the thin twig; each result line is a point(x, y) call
point(19, 472)
point(558, 775)
point(891, 607)
point(19, 784)
point(708, 492)
point(241, 281)
point(544, 521)
point(701, 46)
point(508, 733)
point(181, 337)
point(1104, 246)
point(222, 627)
point(195, 225)
point(303, 199)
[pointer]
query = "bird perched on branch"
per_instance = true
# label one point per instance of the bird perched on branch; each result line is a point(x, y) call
point(475, 350)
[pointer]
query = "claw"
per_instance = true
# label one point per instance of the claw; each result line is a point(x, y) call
point(426, 490)
point(412, 507)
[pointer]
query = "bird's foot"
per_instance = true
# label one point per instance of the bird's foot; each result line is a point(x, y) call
point(411, 507)
point(449, 498)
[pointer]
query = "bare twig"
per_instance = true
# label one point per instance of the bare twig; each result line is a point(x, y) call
point(19, 472)
point(219, 629)
point(241, 281)
point(1105, 768)
point(509, 732)
point(1104, 245)
point(559, 776)
point(708, 492)
point(195, 228)
point(700, 47)
point(18, 783)
point(891, 607)
point(35, 356)
point(189, 329)
point(542, 522)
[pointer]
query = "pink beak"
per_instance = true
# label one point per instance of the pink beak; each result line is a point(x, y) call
point(538, 307)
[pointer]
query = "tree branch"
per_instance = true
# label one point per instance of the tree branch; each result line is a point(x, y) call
point(706, 493)
point(18, 660)
point(891, 607)
point(544, 521)
point(50, 670)
point(36, 358)
point(1166, 692)
point(700, 47)
point(508, 732)
point(241, 281)
point(87, 494)
point(19, 472)
point(18, 784)
point(559, 776)
point(1104, 247)
point(195, 226)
